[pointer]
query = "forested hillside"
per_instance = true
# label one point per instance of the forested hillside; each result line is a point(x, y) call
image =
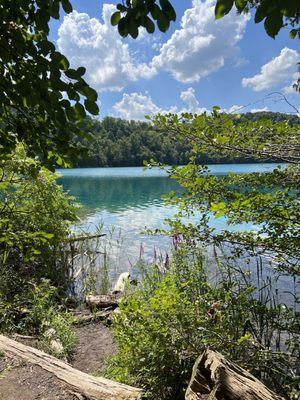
point(116, 142)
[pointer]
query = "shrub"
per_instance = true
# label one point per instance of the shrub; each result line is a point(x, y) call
point(35, 216)
point(49, 321)
point(167, 322)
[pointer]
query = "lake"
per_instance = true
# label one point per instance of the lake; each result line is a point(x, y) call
point(124, 201)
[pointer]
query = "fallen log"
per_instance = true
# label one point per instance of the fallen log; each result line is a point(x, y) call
point(103, 300)
point(91, 387)
point(215, 378)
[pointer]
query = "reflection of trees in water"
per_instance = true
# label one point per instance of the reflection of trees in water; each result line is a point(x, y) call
point(114, 194)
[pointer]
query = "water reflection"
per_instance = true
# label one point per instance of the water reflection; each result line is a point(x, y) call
point(117, 194)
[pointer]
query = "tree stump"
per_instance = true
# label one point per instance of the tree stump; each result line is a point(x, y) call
point(215, 378)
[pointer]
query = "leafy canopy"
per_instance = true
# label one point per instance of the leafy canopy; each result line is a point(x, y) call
point(275, 14)
point(268, 200)
point(41, 97)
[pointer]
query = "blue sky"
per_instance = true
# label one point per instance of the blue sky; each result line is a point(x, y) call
point(197, 64)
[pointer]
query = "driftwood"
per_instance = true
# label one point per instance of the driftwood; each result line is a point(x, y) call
point(83, 238)
point(89, 386)
point(24, 337)
point(103, 300)
point(215, 378)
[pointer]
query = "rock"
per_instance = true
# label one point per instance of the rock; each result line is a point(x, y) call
point(56, 346)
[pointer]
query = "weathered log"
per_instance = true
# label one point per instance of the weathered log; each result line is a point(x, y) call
point(215, 378)
point(89, 386)
point(103, 300)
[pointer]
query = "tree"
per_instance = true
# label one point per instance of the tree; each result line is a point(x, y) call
point(276, 14)
point(270, 200)
point(41, 97)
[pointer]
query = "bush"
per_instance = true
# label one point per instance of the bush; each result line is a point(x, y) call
point(35, 216)
point(167, 322)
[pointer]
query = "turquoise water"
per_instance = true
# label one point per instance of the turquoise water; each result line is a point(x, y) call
point(128, 200)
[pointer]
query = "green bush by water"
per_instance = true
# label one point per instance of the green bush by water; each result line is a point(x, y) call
point(35, 216)
point(165, 324)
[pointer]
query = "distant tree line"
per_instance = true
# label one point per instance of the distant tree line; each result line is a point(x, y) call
point(118, 143)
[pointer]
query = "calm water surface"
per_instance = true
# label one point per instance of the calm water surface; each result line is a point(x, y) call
point(128, 200)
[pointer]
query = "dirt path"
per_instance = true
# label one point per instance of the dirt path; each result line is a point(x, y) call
point(95, 344)
point(21, 381)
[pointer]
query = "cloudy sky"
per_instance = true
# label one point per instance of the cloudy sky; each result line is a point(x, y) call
point(197, 64)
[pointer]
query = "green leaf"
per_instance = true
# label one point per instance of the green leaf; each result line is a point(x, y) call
point(81, 71)
point(91, 107)
point(222, 8)
point(168, 9)
point(293, 33)
point(80, 111)
point(123, 27)
point(115, 18)
point(149, 25)
point(54, 10)
point(240, 5)
point(133, 29)
point(244, 338)
point(163, 22)
point(61, 60)
point(260, 14)
point(67, 6)
point(273, 24)
point(155, 11)
point(72, 73)
point(121, 7)
point(89, 93)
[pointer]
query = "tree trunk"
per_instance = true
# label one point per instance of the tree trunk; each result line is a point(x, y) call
point(87, 385)
point(215, 378)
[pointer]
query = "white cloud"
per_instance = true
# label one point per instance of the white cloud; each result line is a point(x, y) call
point(188, 96)
point(278, 71)
point(255, 110)
point(98, 46)
point(231, 110)
point(137, 105)
point(234, 109)
point(201, 45)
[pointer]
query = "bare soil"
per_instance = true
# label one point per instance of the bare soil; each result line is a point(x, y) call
point(95, 344)
point(21, 381)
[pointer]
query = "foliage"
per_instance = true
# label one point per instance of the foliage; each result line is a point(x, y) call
point(42, 98)
point(118, 142)
point(35, 216)
point(270, 200)
point(234, 302)
point(138, 13)
point(166, 323)
point(47, 320)
point(275, 14)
